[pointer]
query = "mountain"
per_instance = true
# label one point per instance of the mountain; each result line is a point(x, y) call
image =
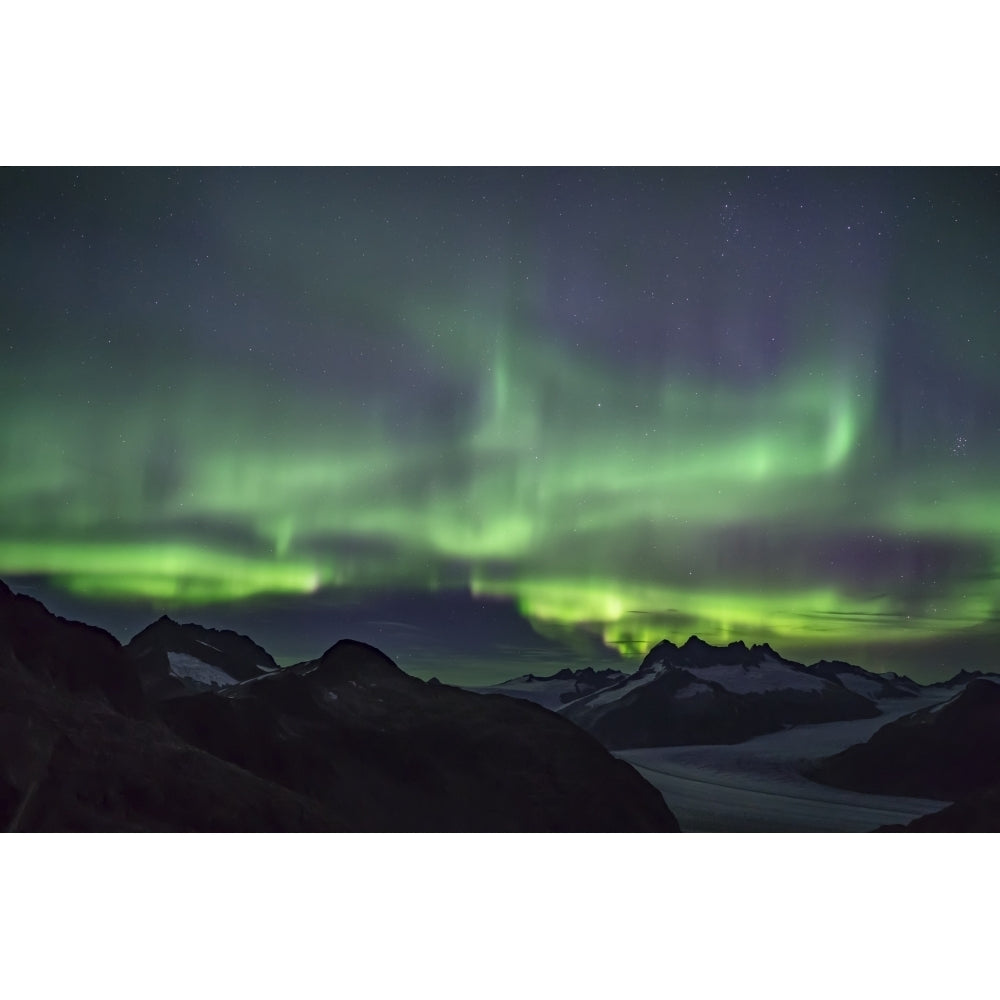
point(875, 687)
point(344, 743)
point(395, 753)
point(963, 677)
point(80, 659)
point(172, 659)
point(698, 693)
point(80, 750)
point(948, 751)
point(558, 689)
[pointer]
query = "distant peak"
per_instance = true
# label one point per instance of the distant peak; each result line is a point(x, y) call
point(357, 655)
point(665, 644)
point(694, 642)
point(353, 645)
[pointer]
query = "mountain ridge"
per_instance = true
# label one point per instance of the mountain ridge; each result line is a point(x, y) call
point(348, 741)
point(700, 693)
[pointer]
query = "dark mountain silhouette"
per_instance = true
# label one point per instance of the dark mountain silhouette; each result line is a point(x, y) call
point(346, 742)
point(699, 693)
point(80, 750)
point(78, 658)
point(172, 659)
point(948, 751)
point(395, 753)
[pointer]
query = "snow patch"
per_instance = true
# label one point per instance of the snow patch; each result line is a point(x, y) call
point(182, 665)
point(769, 676)
point(692, 689)
point(616, 693)
point(266, 668)
point(864, 686)
point(210, 646)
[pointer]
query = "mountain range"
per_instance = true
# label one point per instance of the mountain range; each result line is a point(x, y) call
point(191, 728)
point(554, 691)
point(699, 693)
point(99, 737)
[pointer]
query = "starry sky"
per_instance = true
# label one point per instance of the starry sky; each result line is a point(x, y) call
point(496, 420)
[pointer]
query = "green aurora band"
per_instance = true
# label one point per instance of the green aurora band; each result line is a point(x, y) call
point(583, 498)
point(429, 428)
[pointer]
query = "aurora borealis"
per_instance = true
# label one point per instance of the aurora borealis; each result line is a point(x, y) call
point(630, 403)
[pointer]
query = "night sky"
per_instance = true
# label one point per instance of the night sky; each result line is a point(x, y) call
point(500, 420)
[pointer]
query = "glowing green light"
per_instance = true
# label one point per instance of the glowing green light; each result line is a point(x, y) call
point(168, 571)
point(586, 493)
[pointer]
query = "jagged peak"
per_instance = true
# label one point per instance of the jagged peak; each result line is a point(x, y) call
point(664, 644)
point(696, 642)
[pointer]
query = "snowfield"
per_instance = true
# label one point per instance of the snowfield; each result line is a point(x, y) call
point(769, 676)
point(182, 665)
point(756, 786)
point(863, 686)
point(627, 687)
point(690, 690)
point(548, 694)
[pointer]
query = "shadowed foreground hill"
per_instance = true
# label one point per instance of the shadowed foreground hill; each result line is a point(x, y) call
point(346, 742)
point(946, 752)
point(395, 753)
point(953, 748)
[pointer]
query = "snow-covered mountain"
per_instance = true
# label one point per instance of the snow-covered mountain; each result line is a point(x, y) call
point(965, 677)
point(698, 693)
point(876, 687)
point(555, 691)
point(172, 659)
